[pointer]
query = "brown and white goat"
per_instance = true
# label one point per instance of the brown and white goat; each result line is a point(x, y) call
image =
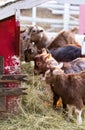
point(38, 35)
point(70, 87)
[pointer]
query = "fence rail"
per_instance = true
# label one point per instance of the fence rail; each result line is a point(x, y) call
point(69, 13)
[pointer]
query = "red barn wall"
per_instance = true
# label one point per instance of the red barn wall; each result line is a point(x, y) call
point(9, 49)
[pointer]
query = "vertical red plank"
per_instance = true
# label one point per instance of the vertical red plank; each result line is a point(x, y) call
point(82, 19)
point(17, 38)
point(9, 49)
point(7, 37)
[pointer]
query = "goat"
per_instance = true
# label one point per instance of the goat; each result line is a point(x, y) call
point(25, 39)
point(70, 87)
point(64, 38)
point(66, 53)
point(30, 52)
point(38, 35)
point(61, 54)
point(44, 61)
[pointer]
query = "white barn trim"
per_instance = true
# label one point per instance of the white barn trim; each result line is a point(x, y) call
point(8, 9)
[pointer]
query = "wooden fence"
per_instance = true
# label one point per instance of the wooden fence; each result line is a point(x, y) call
point(69, 13)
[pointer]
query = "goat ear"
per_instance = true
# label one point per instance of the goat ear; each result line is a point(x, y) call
point(29, 28)
point(47, 57)
point(60, 65)
point(74, 30)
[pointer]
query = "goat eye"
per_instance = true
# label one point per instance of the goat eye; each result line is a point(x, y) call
point(34, 31)
point(23, 37)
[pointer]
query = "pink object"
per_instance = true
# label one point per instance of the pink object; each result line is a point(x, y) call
point(82, 19)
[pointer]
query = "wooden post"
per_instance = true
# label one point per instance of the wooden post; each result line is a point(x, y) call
point(2, 98)
point(66, 16)
point(33, 15)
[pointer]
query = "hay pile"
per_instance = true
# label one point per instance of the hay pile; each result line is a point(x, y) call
point(36, 112)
